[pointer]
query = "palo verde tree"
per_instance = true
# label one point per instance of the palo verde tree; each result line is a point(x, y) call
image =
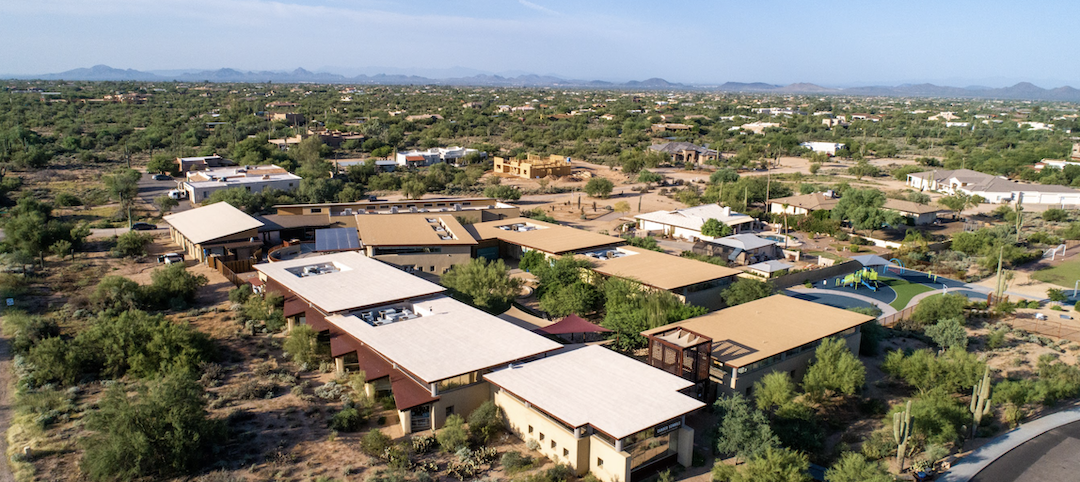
point(483, 284)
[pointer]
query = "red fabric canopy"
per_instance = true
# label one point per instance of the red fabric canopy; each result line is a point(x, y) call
point(572, 324)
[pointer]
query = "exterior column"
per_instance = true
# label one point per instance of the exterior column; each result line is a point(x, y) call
point(290, 323)
point(339, 365)
point(369, 390)
point(406, 421)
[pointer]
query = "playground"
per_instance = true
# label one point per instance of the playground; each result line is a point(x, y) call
point(893, 285)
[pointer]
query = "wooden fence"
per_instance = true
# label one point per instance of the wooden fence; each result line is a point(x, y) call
point(230, 269)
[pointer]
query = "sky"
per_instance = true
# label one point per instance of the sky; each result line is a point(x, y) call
point(833, 43)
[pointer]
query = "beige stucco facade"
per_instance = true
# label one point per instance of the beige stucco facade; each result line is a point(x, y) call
point(196, 250)
point(435, 260)
point(534, 167)
point(574, 446)
point(729, 380)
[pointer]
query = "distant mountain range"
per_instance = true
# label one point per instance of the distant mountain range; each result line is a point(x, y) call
point(1020, 91)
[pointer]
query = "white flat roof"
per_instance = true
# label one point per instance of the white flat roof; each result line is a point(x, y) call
point(449, 339)
point(359, 282)
point(592, 385)
point(208, 223)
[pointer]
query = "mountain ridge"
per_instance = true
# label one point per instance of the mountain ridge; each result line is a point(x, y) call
point(1018, 91)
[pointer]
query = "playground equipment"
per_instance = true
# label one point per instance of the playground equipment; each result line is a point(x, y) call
point(899, 263)
point(860, 277)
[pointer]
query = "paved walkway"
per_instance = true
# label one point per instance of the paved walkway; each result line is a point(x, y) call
point(971, 464)
point(865, 300)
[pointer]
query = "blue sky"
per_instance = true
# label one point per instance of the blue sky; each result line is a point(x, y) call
point(835, 43)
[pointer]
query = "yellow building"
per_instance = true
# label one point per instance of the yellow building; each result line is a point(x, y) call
point(534, 167)
point(598, 411)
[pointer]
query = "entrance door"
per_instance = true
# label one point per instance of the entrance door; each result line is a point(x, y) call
point(420, 418)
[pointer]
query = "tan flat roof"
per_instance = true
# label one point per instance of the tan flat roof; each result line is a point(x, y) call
point(658, 270)
point(412, 230)
point(747, 333)
point(449, 339)
point(592, 385)
point(355, 281)
point(546, 237)
point(208, 223)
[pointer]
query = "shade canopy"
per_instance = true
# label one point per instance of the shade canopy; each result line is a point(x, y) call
point(572, 324)
point(871, 260)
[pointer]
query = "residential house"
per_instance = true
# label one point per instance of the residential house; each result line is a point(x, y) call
point(755, 127)
point(995, 189)
point(804, 203)
point(413, 343)
point(919, 214)
point(415, 158)
point(218, 230)
point(199, 185)
point(867, 117)
point(744, 249)
point(686, 152)
point(829, 148)
point(686, 223)
point(288, 118)
point(726, 351)
point(670, 127)
point(599, 411)
point(188, 164)
point(534, 166)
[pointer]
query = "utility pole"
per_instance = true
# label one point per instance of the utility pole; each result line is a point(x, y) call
point(1019, 213)
point(999, 290)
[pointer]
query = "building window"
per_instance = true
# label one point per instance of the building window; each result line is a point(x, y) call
point(248, 188)
point(290, 184)
point(565, 453)
point(449, 411)
point(530, 429)
point(553, 444)
point(432, 269)
point(541, 436)
point(316, 210)
point(599, 462)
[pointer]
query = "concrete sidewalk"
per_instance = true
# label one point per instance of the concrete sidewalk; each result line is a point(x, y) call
point(971, 464)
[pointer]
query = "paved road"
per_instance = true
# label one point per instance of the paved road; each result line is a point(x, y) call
point(149, 189)
point(839, 299)
point(1025, 455)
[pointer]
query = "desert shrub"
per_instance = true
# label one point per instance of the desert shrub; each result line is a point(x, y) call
point(948, 333)
point(514, 462)
point(250, 390)
point(301, 345)
point(951, 372)
point(160, 432)
point(132, 342)
point(347, 420)
point(996, 339)
point(173, 287)
point(937, 308)
point(374, 443)
point(1055, 215)
point(453, 435)
point(330, 391)
point(240, 294)
point(937, 418)
point(485, 422)
point(131, 243)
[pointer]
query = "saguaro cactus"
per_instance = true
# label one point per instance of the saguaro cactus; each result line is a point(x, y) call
point(980, 401)
point(901, 433)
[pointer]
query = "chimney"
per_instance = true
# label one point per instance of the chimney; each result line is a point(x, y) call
point(726, 211)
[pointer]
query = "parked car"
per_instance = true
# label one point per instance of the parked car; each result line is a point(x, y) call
point(143, 226)
point(162, 177)
point(178, 194)
point(170, 258)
